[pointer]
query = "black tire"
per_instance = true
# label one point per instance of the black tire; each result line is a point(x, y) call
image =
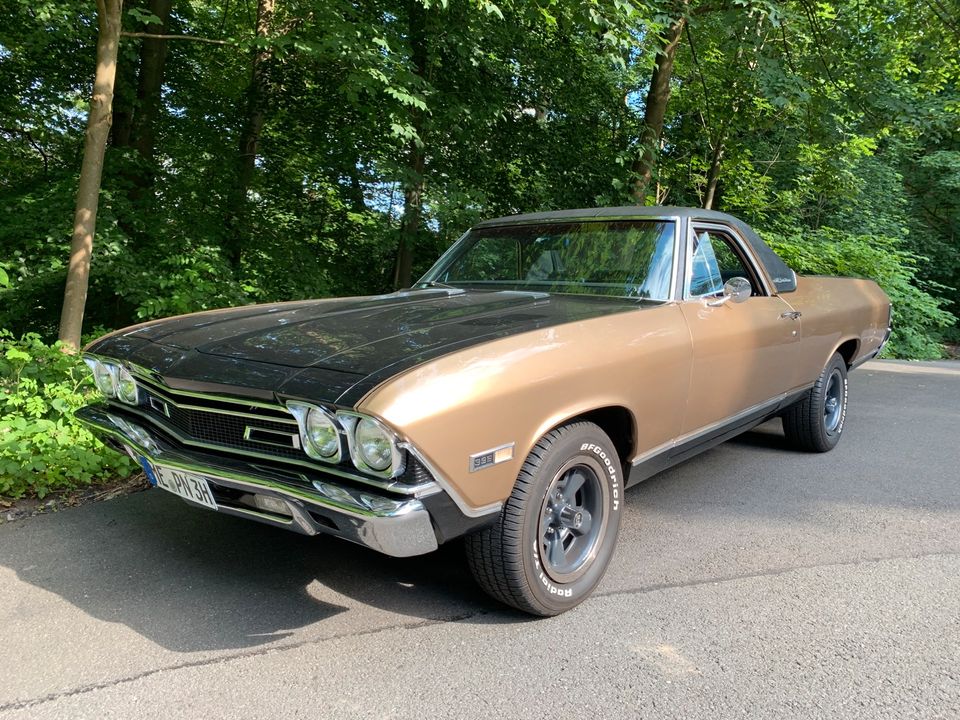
point(815, 422)
point(530, 558)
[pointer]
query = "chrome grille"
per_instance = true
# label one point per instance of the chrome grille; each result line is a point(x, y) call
point(223, 429)
point(224, 423)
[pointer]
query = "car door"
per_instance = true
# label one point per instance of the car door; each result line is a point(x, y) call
point(742, 352)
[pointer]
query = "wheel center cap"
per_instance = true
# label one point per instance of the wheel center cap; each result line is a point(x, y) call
point(571, 518)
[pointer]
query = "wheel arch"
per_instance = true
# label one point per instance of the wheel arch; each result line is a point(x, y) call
point(848, 350)
point(617, 421)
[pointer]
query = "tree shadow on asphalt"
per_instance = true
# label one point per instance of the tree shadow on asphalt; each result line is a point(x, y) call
point(192, 580)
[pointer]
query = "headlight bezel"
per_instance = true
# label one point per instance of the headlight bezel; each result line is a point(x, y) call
point(350, 421)
point(97, 367)
point(301, 411)
point(370, 434)
point(123, 375)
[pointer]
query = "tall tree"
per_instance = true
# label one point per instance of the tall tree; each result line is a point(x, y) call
point(254, 118)
point(413, 181)
point(91, 171)
point(153, 59)
point(655, 109)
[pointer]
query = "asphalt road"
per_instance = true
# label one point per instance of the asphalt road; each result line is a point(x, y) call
point(751, 581)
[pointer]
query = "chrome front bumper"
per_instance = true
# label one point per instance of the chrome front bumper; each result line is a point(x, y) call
point(397, 527)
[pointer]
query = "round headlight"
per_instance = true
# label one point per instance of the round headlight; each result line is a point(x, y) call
point(104, 376)
point(127, 387)
point(374, 445)
point(322, 434)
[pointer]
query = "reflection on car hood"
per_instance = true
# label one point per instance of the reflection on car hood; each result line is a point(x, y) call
point(361, 338)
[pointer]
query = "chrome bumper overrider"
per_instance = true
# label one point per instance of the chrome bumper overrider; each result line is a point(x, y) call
point(397, 527)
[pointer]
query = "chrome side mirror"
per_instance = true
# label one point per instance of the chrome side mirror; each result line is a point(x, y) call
point(736, 290)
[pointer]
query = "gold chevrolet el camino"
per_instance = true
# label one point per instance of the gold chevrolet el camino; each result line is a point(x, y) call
point(543, 365)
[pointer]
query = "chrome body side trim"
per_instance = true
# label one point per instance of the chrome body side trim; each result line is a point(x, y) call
point(759, 409)
point(397, 527)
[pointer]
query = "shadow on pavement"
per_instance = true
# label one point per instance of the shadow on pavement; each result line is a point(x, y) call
point(193, 580)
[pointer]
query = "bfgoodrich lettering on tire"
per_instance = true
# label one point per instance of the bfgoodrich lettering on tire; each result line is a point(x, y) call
point(556, 534)
point(815, 422)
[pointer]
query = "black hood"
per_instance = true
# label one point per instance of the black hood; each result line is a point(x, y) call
point(337, 350)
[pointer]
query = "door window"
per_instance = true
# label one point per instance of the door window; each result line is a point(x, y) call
point(715, 259)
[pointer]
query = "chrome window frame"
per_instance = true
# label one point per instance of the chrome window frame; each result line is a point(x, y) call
point(675, 220)
point(692, 226)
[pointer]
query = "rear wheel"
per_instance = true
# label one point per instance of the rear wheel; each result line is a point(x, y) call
point(557, 531)
point(815, 422)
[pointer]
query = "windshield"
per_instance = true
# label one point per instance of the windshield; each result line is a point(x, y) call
point(616, 259)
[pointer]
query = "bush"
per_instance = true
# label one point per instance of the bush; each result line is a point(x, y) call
point(919, 319)
point(42, 446)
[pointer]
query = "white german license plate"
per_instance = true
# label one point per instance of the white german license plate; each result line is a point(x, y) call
point(185, 484)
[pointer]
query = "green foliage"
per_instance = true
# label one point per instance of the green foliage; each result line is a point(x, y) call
point(822, 115)
point(918, 317)
point(42, 447)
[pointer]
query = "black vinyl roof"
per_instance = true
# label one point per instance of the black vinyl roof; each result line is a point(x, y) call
point(783, 277)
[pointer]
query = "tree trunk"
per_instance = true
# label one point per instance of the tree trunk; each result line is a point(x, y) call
point(412, 217)
point(124, 97)
point(357, 201)
point(718, 144)
point(125, 89)
point(713, 174)
point(656, 109)
point(413, 184)
point(257, 92)
point(153, 60)
point(91, 170)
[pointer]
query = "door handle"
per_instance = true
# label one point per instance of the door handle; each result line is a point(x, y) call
point(792, 315)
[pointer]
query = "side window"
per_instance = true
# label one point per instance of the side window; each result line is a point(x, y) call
point(714, 260)
point(704, 268)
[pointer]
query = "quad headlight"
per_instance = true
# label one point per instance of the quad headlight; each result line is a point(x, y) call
point(319, 431)
point(127, 387)
point(113, 380)
point(373, 446)
point(322, 435)
point(105, 378)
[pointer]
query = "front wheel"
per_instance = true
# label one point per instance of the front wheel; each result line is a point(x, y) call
point(814, 423)
point(557, 531)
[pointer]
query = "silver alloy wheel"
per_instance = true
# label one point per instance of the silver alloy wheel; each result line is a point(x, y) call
point(572, 519)
point(833, 402)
